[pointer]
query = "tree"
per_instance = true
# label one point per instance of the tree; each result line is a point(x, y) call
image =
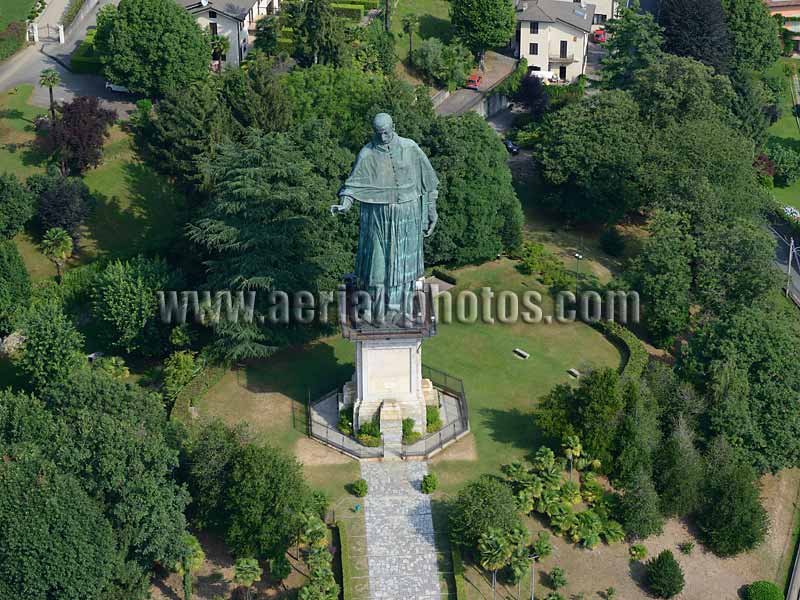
point(483, 504)
point(533, 94)
point(63, 202)
point(256, 96)
point(190, 563)
point(209, 456)
point(697, 29)
point(679, 473)
point(676, 88)
point(78, 136)
point(589, 153)
point(265, 500)
point(15, 286)
point(246, 571)
point(57, 247)
point(152, 46)
point(494, 553)
point(125, 305)
point(665, 275)
point(16, 206)
point(639, 433)
point(634, 42)
point(375, 49)
point(179, 369)
point(320, 34)
point(483, 24)
point(732, 519)
point(45, 514)
point(267, 29)
point(220, 45)
point(664, 575)
point(50, 78)
point(479, 212)
point(410, 25)
point(190, 122)
point(442, 64)
point(756, 45)
point(572, 450)
point(639, 506)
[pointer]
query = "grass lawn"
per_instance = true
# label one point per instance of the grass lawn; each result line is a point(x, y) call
point(786, 131)
point(14, 10)
point(135, 211)
point(434, 21)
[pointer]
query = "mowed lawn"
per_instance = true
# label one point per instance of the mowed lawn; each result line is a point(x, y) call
point(14, 10)
point(786, 131)
point(434, 21)
point(501, 390)
point(134, 209)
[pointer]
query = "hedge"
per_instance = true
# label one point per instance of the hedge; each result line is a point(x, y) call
point(510, 85)
point(444, 276)
point(85, 61)
point(368, 4)
point(72, 12)
point(12, 38)
point(763, 590)
point(458, 573)
point(637, 357)
point(347, 574)
point(350, 11)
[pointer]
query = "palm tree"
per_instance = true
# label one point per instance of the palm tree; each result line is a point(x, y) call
point(410, 24)
point(246, 572)
point(57, 246)
point(50, 78)
point(190, 563)
point(220, 45)
point(572, 450)
point(495, 553)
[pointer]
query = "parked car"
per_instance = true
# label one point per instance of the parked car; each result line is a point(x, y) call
point(117, 88)
point(474, 81)
point(512, 148)
point(599, 36)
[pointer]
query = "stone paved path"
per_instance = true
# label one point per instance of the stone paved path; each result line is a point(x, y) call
point(401, 553)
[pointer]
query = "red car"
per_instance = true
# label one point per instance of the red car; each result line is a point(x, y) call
point(474, 81)
point(599, 36)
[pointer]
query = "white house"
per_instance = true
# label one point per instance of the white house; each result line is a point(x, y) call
point(234, 19)
point(553, 36)
point(604, 10)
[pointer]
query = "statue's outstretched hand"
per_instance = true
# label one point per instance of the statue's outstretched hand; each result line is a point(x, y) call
point(433, 218)
point(347, 203)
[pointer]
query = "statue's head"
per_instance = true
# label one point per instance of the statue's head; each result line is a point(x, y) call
point(383, 126)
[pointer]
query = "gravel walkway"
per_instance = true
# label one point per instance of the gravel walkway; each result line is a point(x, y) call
point(401, 552)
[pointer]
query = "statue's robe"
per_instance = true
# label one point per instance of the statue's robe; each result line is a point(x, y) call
point(393, 186)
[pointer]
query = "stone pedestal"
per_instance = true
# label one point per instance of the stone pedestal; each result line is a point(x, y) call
point(389, 371)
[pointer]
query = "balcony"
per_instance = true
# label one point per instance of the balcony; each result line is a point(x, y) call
point(561, 60)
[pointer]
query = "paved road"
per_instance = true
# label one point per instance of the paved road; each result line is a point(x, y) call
point(498, 67)
point(25, 66)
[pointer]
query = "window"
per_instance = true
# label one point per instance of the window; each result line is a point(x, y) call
point(213, 28)
point(599, 19)
point(563, 49)
point(534, 49)
point(535, 69)
point(562, 73)
point(212, 14)
point(534, 26)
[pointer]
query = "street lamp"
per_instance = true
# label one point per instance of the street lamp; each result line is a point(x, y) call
point(578, 258)
point(533, 558)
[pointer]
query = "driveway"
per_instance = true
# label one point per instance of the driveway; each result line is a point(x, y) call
point(25, 66)
point(498, 67)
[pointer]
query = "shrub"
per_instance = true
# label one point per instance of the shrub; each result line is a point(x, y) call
point(554, 596)
point(16, 205)
point(179, 369)
point(664, 575)
point(763, 590)
point(433, 418)
point(359, 488)
point(280, 568)
point(72, 11)
point(429, 483)
point(686, 547)
point(15, 286)
point(369, 434)
point(12, 38)
point(637, 552)
point(558, 578)
point(349, 11)
point(345, 424)
point(542, 546)
point(409, 435)
point(612, 242)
